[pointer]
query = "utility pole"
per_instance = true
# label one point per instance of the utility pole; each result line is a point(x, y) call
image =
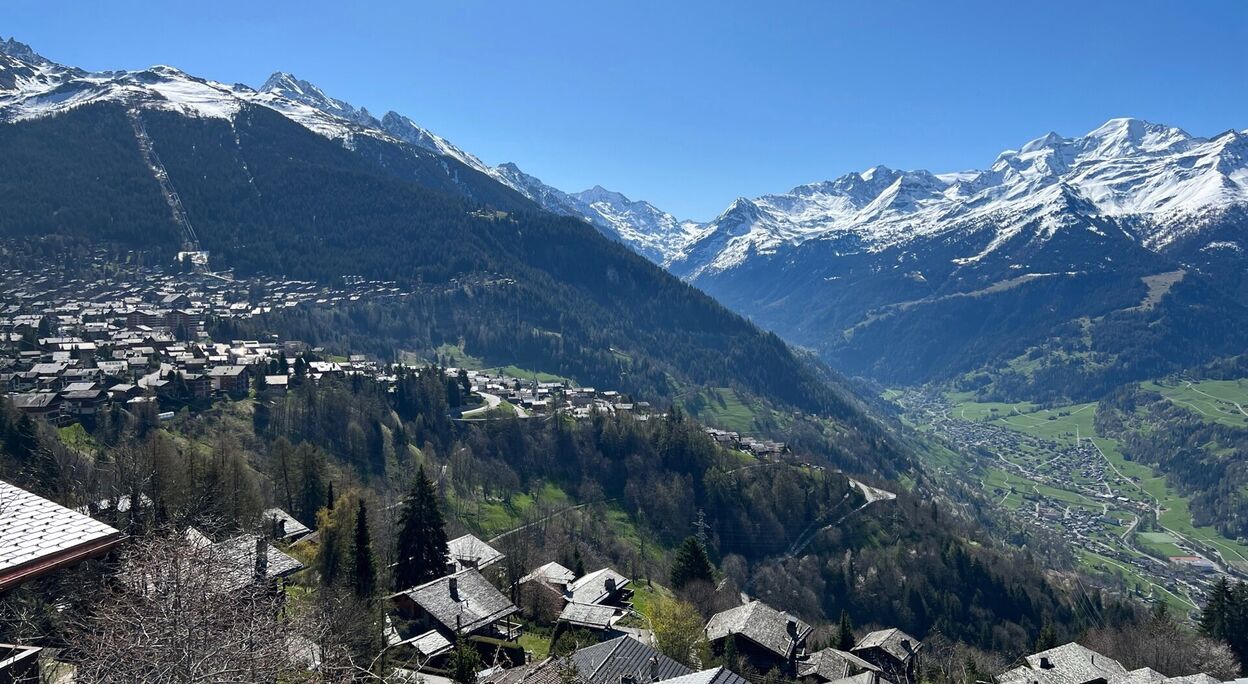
point(702, 526)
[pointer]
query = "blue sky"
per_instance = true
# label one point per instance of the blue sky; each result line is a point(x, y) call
point(689, 104)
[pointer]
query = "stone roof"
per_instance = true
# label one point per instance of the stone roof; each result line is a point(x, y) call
point(893, 641)
point(717, 675)
point(589, 615)
point(39, 535)
point(1144, 675)
point(762, 624)
point(472, 604)
point(239, 556)
point(597, 586)
point(429, 644)
point(832, 664)
point(552, 573)
point(290, 526)
point(468, 551)
point(608, 662)
point(1065, 664)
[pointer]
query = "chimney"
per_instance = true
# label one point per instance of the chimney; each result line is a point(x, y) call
point(454, 587)
point(905, 644)
point(262, 558)
point(610, 584)
point(654, 668)
point(791, 628)
point(1045, 663)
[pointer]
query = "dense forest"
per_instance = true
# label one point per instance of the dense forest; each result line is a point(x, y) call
point(902, 563)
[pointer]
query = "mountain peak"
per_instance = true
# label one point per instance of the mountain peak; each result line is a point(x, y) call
point(1122, 136)
point(19, 50)
point(287, 85)
point(601, 194)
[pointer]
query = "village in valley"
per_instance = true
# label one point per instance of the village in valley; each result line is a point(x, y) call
point(1044, 472)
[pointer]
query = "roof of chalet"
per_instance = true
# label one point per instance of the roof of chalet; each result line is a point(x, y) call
point(34, 400)
point(40, 536)
point(552, 573)
point(893, 641)
point(761, 624)
point(429, 644)
point(290, 527)
point(590, 615)
point(469, 548)
point(1067, 664)
point(607, 662)
point(832, 664)
point(716, 675)
point(597, 586)
point(476, 603)
point(240, 555)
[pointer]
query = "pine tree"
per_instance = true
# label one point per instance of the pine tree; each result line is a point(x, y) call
point(691, 564)
point(578, 564)
point(1213, 619)
point(364, 571)
point(422, 549)
point(845, 633)
point(329, 496)
point(1047, 638)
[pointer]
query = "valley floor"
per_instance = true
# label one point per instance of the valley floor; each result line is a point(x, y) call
point(1048, 468)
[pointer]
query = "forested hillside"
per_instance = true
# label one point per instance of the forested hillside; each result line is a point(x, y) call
point(268, 196)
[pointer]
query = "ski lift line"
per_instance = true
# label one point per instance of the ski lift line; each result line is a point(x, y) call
point(189, 239)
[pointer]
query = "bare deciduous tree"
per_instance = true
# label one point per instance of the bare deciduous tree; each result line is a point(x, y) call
point(188, 613)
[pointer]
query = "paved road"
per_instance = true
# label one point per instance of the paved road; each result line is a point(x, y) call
point(491, 401)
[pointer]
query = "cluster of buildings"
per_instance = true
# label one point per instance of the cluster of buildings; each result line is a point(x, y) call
point(474, 602)
point(763, 448)
point(70, 346)
point(536, 397)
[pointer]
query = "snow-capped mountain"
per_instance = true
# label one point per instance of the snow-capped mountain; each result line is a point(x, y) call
point(1159, 180)
point(33, 87)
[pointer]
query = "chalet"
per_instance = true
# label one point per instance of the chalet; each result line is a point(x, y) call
point(284, 526)
point(469, 552)
point(766, 638)
point(464, 603)
point(84, 402)
point(717, 675)
point(893, 651)
point(251, 558)
point(46, 405)
point(604, 587)
point(831, 665)
point(552, 574)
point(229, 379)
point(41, 536)
point(623, 660)
point(1066, 664)
point(590, 617)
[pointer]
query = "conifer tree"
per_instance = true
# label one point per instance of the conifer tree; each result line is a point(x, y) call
point(364, 571)
point(422, 549)
point(845, 633)
point(691, 564)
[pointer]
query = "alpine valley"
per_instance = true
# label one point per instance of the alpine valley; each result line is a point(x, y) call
point(991, 408)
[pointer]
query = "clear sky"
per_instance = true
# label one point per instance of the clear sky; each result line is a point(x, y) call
point(689, 104)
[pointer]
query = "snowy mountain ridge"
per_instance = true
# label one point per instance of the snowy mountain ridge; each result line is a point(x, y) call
point(1159, 181)
point(33, 87)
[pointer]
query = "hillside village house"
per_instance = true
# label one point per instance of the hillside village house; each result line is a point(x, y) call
point(461, 604)
point(40, 536)
point(764, 637)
